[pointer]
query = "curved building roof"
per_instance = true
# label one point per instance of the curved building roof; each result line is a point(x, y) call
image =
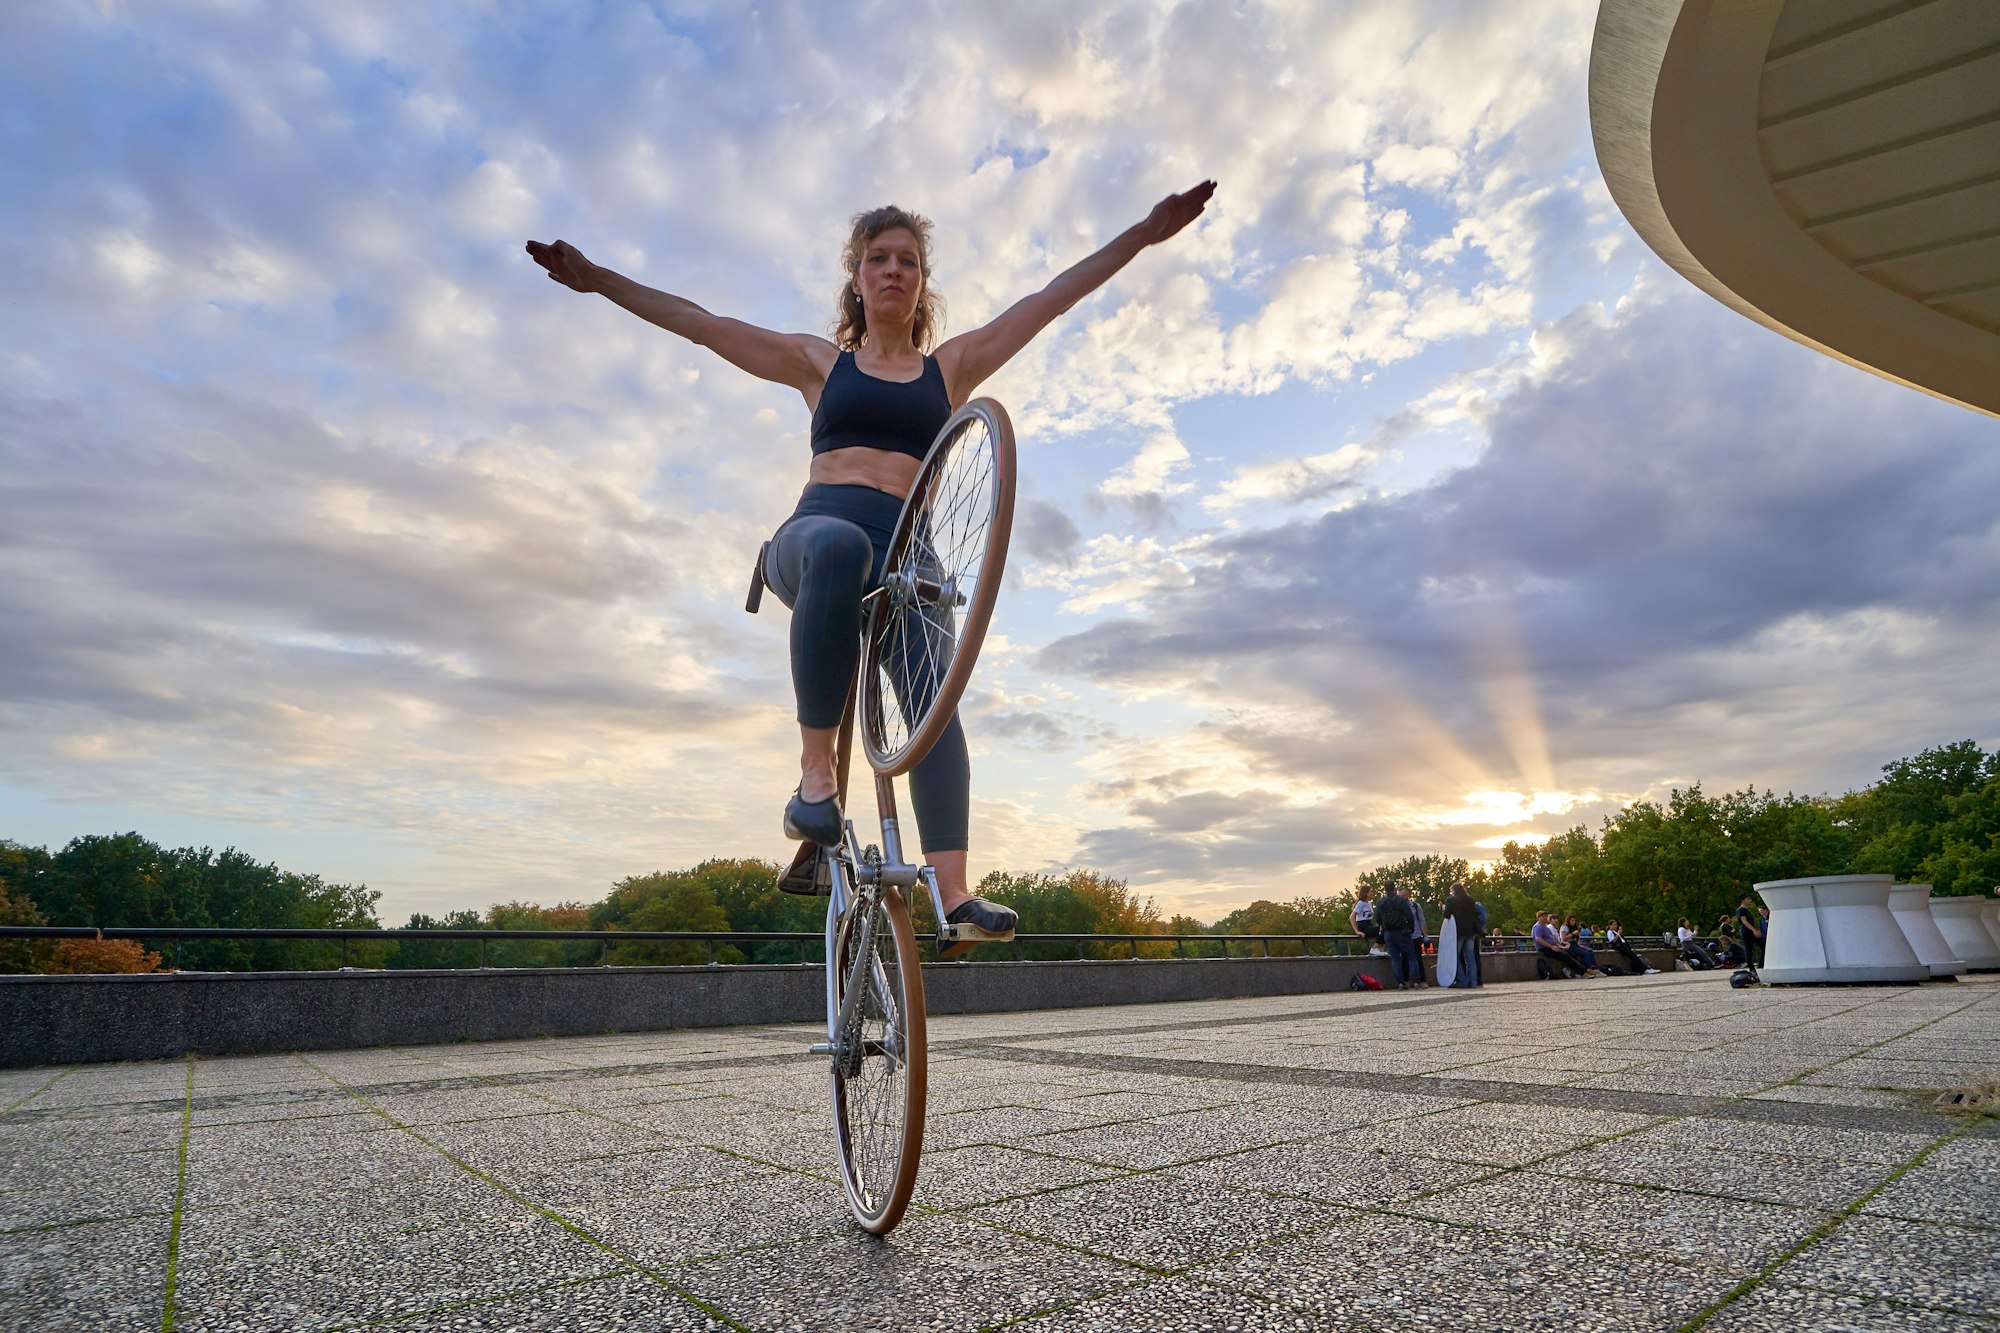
point(1830, 168)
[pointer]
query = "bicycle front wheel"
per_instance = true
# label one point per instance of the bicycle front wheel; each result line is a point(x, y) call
point(939, 583)
point(879, 1074)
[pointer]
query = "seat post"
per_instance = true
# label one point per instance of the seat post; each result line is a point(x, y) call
point(895, 870)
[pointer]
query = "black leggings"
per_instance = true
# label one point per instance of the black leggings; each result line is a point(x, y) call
point(821, 562)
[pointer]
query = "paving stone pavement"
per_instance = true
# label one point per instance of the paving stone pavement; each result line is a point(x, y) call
point(1648, 1153)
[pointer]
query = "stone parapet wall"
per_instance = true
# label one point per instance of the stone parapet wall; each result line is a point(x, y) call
point(48, 1020)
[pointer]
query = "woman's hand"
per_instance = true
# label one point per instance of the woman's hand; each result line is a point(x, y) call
point(1174, 212)
point(567, 266)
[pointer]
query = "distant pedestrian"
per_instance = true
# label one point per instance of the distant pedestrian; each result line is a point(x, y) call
point(1750, 929)
point(1419, 936)
point(1466, 915)
point(1398, 922)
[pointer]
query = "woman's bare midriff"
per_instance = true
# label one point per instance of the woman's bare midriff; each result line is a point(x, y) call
point(883, 469)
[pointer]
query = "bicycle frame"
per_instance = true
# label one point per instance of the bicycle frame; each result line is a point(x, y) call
point(856, 875)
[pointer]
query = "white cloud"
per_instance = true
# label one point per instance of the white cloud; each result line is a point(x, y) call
point(1289, 481)
point(328, 510)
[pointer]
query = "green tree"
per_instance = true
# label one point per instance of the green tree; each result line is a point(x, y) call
point(540, 953)
point(125, 880)
point(18, 909)
point(665, 900)
point(1897, 824)
point(121, 880)
point(1073, 902)
point(1299, 916)
point(1426, 878)
point(1784, 837)
point(437, 953)
point(1967, 858)
point(747, 891)
point(1552, 875)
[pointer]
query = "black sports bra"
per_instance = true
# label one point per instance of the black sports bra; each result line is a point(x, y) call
point(859, 411)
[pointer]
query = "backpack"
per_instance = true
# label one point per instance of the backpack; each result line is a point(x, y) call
point(1362, 981)
point(1742, 977)
point(1395, 914)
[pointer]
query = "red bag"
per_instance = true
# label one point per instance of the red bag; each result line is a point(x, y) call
point(1362, 981)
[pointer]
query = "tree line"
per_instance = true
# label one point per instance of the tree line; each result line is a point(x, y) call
point(1934, 817)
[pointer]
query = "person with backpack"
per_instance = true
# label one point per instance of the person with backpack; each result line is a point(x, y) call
point(1398, 923)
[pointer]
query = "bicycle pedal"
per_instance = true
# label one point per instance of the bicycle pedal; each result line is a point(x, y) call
point(958, 939)
point(807, 874)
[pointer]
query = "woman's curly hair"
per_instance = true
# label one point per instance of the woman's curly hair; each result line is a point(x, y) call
point(851, 329)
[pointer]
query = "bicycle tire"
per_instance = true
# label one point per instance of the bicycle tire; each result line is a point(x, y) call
point(878, 1110)
point(950, 543)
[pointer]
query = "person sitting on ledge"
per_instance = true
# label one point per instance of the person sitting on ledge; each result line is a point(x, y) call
point(1576, 941)
point(1549, 947)
point(1693, 952)
point(1362, 917)
point(1615, 938)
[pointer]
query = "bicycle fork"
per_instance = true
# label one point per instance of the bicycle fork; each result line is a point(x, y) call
point(855, 876)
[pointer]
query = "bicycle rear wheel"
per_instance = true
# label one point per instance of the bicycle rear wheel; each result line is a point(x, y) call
point(880, 1075)
point(939, 583)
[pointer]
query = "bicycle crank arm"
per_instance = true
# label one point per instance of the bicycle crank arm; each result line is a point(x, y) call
point(929, 877)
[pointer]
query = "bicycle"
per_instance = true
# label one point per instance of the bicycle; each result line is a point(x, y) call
point(922, 633)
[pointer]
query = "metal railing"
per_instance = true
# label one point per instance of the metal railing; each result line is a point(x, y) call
point(1203, 946)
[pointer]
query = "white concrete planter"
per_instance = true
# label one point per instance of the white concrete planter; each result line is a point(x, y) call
point(1910, 904)
point(1835, 928)
point(1958, 921)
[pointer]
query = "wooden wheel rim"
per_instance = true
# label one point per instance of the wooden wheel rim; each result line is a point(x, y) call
point(879, 1209)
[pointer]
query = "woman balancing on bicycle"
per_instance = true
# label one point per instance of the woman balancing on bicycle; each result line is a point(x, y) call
point(878, 399)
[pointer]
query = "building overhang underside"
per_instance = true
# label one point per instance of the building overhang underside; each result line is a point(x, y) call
point(1829, 168)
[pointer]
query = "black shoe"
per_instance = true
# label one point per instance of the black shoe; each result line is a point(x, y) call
point(814, 821)
point(977, 921)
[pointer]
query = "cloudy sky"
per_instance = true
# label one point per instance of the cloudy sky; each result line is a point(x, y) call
point(1405, 504)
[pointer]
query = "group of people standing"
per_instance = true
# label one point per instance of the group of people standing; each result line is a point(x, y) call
point(1394, 925)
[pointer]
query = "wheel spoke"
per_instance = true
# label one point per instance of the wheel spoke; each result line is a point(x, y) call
point(947, 539)
point(873, 1092)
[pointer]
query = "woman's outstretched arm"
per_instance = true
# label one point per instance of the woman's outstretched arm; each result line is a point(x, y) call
point(798, 359)
point(970, 358)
